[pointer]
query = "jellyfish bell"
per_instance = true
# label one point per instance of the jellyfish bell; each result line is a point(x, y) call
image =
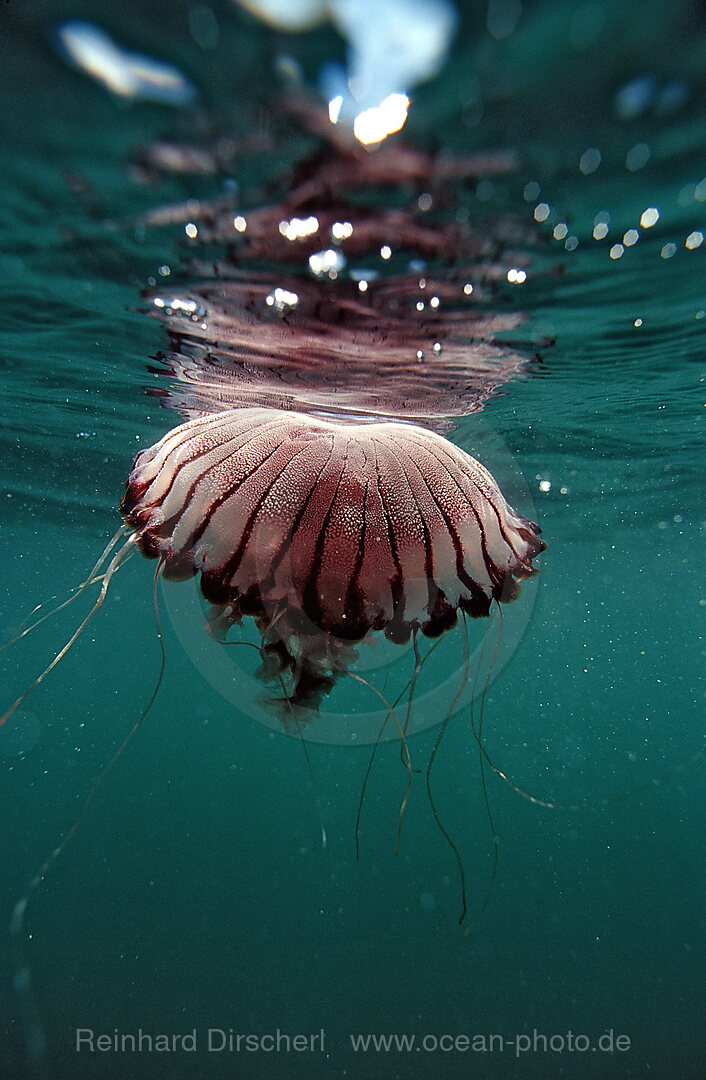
point(324, 533)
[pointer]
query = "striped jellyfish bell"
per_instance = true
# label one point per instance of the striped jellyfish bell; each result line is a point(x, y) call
point(324, 531)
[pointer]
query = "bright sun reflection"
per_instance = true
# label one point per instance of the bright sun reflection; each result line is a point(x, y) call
point(373, 125)
point(299, 228)
point(391, 45)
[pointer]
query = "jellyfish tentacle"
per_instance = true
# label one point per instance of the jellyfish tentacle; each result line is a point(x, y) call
point(376, 744)
point(432, 757)
point(404, 749)
point(92, 579)
point(22, 981)
point(302, 741)
point(115, 563)
point(478, 737)
point(598, 804)
point(408, 715)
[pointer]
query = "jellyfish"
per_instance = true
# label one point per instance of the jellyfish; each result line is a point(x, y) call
point(324, 532)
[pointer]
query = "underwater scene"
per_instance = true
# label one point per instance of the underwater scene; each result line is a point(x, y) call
point(353, 613)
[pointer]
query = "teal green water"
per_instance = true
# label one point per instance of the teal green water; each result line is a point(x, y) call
point(196, 893)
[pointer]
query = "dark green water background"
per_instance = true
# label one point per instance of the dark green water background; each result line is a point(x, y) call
point(196, 893)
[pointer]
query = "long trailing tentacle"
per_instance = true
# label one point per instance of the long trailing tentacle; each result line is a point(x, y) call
point(403, 745)
point(402, 731)
point(22, 981)
point(304, 747)
point(92, 578)
point(407, 761)
point(478, 737)
point(435, 749)
point(285, 697)
point(118, 559)
point(483, 753)
point(419, 664)
point(598, 804)
point(606, 800)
